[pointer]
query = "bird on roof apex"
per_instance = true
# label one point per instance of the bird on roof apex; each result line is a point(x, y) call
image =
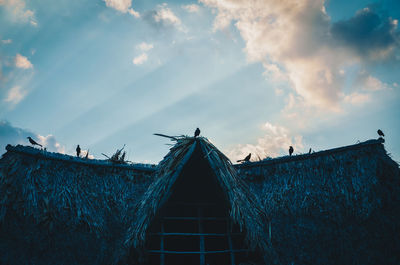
point(291, 150)
point(246, 159)
point(78, 150)
point(197, 132)
point(33, 142)
point(380, 133)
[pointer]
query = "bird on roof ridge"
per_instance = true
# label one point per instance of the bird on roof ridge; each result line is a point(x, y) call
point(197, 133)
point(246, 159)
point(78, 150)
point(291, 150)
point(33, 142)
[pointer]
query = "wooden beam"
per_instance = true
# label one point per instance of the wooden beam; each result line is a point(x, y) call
point(193, 218)
point(202, 244)
point(232, 254)
point(188, 234)
point(162, 256)
point(198, 252)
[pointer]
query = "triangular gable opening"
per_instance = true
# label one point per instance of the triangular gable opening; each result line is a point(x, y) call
point(193, 226)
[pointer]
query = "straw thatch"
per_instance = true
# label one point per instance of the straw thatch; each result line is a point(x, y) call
point(339, 206)
point(243, 209)
point(57, 209)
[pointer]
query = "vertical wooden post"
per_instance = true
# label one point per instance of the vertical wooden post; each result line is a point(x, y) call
point(228, 233)
point(162, 254)
point(201, 232)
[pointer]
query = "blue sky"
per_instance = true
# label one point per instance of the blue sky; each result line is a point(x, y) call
point(255, 76)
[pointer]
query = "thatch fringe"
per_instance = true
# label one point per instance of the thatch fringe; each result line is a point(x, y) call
point(349, 195)
point(243, 209)
point(51, 194)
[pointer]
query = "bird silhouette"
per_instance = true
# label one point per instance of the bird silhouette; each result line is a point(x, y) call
point(78, 150)
point(33, 142)
point(197, 132)
point(380, 133)
point(291, 150)
point(246, 159)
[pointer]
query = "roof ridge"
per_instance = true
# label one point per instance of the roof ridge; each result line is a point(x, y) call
point(284, 159)
point(30, 151)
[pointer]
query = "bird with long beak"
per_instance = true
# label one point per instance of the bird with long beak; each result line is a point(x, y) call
point(33, 142)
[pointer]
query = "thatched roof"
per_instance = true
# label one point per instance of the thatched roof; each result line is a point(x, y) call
point(342, 202)
point(243, 209)
point(79, 190)
point(339, 206)
point(44, 194)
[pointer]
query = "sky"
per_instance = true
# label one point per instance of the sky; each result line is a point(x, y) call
point(256, 76)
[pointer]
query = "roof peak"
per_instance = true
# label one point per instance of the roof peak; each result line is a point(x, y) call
point(242, 203)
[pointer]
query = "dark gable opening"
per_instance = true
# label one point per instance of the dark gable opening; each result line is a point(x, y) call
point(193, 227)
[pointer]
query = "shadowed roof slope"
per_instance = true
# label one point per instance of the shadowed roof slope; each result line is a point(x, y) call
point(243, 209)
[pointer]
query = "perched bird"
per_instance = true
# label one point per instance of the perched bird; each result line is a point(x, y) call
point(246, 159)
point(197, 132)
point(33, 142)
point(309, 151)
point(78, 150)
point(380, 133)
point(291, 150)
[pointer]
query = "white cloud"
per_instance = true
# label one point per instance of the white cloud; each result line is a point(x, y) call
point(294, 42)
point(275, 142)
point(22, 62)
point(133, 13)
point(373, 84)
point(50, 143)
point(357, 98)
point(15, 95)
point(144, 46)
point(12, 135)
point(19, 12)
point(123, 6)
point(33, 23)
point(192, 8)
point(165, 15)
point(142, 58)
point(84, 152)
point(8, 41)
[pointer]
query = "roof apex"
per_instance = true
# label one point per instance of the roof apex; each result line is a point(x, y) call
point(243, 207)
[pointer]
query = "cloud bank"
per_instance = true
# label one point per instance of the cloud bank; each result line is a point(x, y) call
point(18, 11)
point(14, 135)
point(15, 95)
point(298, 41)
point(275, 142)
point(123, 6)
